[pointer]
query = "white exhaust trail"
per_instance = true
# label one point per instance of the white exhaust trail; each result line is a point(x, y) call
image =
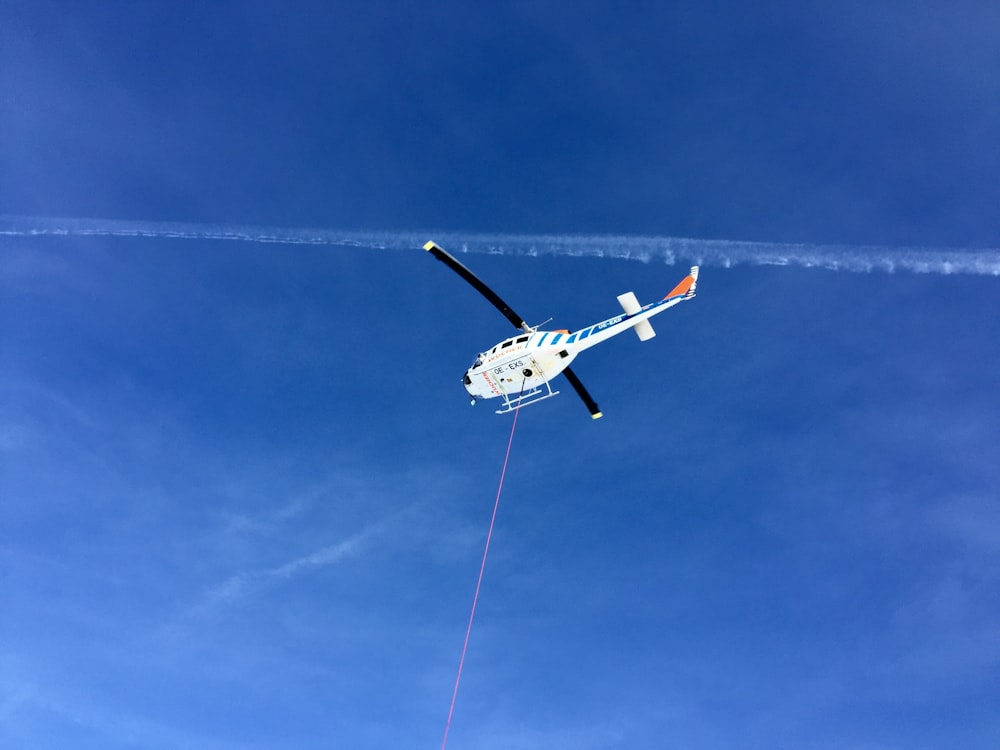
point(669, 250)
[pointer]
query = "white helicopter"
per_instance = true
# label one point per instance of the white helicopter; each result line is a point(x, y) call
point(519, 369)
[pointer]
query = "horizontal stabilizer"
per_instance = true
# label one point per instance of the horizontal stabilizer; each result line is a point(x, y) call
point(631, 306)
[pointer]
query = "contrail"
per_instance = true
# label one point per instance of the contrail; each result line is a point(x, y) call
point(669, 250)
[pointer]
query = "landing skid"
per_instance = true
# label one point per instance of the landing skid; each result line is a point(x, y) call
point(510, 403)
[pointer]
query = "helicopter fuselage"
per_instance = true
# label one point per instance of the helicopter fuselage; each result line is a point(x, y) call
point(528, 361)
point(519, 370)
point(519, 364)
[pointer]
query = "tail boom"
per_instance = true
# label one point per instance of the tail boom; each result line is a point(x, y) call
point(635, 317)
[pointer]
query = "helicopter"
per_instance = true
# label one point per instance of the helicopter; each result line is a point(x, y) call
point(519, 370)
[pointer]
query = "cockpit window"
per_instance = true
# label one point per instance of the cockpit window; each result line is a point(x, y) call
point(506, 344)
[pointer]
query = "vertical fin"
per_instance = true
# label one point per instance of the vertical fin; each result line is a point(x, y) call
point(687, 285)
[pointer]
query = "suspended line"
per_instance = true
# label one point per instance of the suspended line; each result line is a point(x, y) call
point(482, 567)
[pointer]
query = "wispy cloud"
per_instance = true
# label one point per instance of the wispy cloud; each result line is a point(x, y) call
point(244, 583)
point(669, 250)
point(27, 705)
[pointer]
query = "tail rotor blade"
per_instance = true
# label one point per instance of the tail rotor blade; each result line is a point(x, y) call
point(494, 298)
point(595, 412)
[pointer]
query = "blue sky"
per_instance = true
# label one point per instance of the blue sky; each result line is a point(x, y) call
point(243, 494)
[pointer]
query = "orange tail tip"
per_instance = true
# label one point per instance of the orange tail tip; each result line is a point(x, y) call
point(687, 285)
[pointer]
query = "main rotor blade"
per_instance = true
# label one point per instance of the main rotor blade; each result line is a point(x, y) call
point(595, 412)
point(465, 273)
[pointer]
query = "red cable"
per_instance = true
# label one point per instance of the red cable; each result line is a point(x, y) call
point(479, 582)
